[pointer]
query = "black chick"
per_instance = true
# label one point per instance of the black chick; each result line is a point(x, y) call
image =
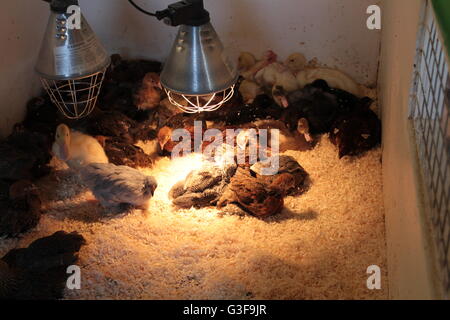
point(36, 143)
point(236, 112)
point(313, 103)
point(4, 190)
point(39, 271)
point(356, 132)
point(42, 116)
point(24, 155)
point(320, 105)
point(21, 209)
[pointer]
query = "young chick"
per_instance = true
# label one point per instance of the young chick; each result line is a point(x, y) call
point(288, 166)
point(149, 94)
point(253, 195)
point(21, 211)
point(249, 91)
point(24, 155)
point(303, 130)
point(118, 187)
point(202, 187)
point(335, 79)
point(39, 272)
point(262, 107)
point(36, 144)
point(42, 116)
point(296, 62)
point(249, 74)
point(288, 140)
point(121, 153)
point(319, 107)
point(4, 190)
point(267, 77)
point(77, 149)
point(246, 61)
point(356, 132)
point(110, 123)
point(179, 121)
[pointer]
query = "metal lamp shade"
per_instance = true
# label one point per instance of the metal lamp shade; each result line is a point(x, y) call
point(70, 53)
point(197, 64)
point(72, 65)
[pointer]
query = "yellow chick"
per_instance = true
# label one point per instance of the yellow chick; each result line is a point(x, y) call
point(246, 61)
point(335, 79)
point(249, 90)
point(296, 62)
point(77, 149)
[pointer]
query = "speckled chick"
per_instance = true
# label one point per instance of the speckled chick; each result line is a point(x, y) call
point(202, 187)
point(253, 195)
point(288, 166)
point(118, 186)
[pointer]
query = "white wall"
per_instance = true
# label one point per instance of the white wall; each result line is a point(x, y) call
point(410, 250)
point(334, 31)
point(22, 24)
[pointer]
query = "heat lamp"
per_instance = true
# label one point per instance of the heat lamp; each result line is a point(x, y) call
point(198, 75)
point(72, 62)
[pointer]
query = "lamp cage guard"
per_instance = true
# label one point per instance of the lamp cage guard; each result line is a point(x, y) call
point(200, 103)
point(75, 98)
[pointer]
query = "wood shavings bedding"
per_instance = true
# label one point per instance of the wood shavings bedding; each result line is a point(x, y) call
point(319, 247)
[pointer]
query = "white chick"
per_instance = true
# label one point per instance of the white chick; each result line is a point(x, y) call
point(287, 80)
point(77, 149)
point(249, 67)
point(267, 77)
point(335, 79)
point(276, 74)
point(296, 62)
point(249, 90)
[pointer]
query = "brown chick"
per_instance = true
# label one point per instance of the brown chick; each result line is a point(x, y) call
point(39, 272)
point(149, 94)
point(288, 167)
point(253, 195)
point(22, 211)
point(179, 121)
point(124, 154)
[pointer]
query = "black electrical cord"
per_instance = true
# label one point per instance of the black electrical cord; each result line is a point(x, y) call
point(141, 10)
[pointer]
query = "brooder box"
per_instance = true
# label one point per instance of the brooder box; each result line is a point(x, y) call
point(387, 210)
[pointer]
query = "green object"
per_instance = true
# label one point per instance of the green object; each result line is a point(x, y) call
point(442, 11)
